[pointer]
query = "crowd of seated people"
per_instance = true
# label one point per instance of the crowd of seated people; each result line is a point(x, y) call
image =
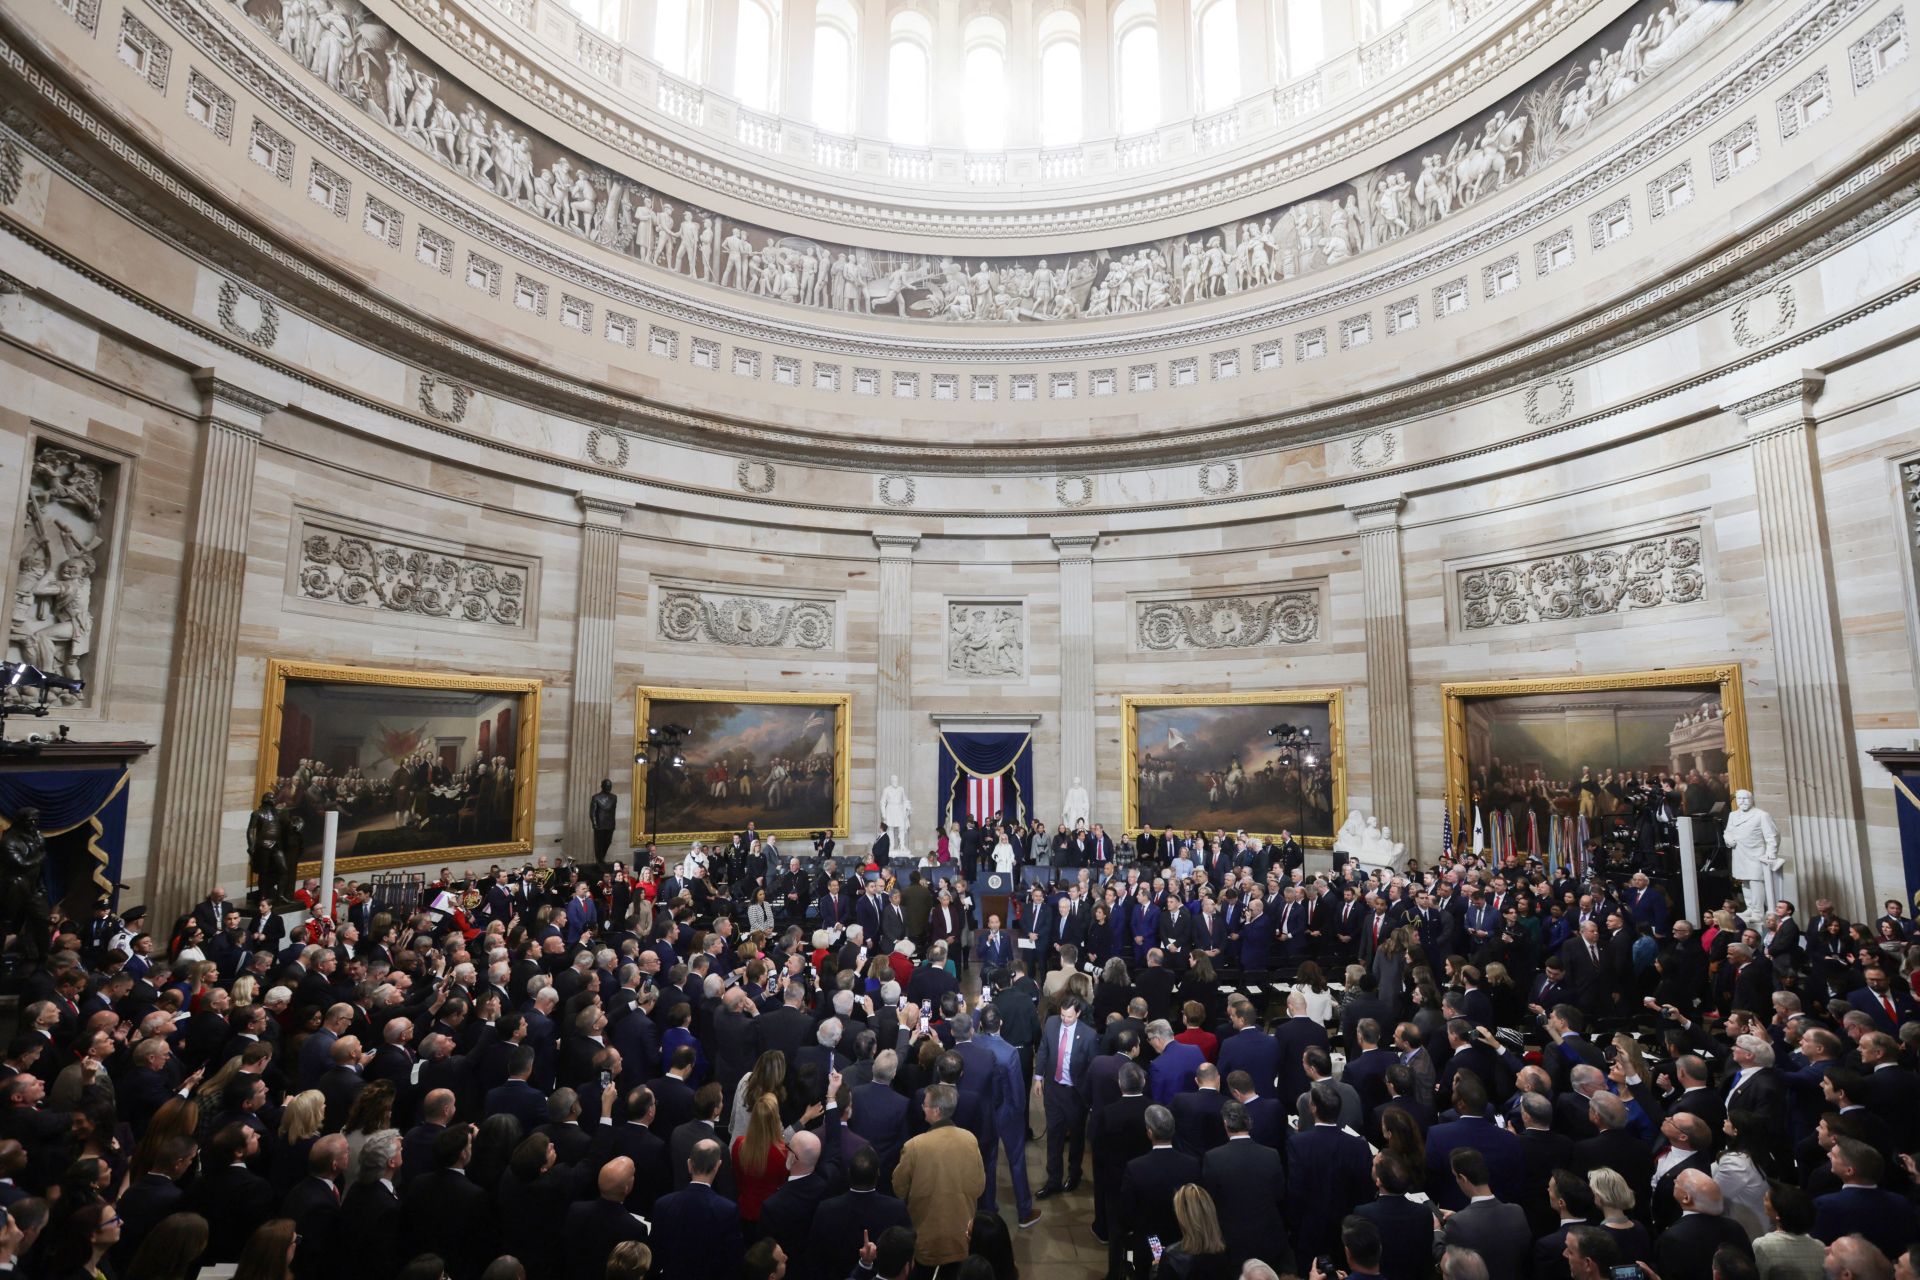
point(814, 1071)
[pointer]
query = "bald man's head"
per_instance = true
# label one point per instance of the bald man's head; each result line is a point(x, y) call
point(803, 1153)
point(616, 1179)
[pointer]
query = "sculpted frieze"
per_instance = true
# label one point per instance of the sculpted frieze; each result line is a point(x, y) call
point(386, 574)
point(63, 566)
point(357, 56)
point(1625, 576)
point(1228, 622)
point(736, 620)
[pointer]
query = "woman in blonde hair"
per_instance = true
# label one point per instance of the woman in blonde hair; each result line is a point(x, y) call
point(1202, 1252)
point(1614, 1198)
point(300, 1126)
point(245, 991)
point(760, 1157)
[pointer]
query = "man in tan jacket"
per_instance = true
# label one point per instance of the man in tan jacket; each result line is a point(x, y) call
point(940, 1176)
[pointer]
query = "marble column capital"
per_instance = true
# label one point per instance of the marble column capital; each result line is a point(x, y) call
point(1075, 546)
point(1383, 514)
point(896, 546)
point(597, 511)
point(231, 405)
point(1788, 405)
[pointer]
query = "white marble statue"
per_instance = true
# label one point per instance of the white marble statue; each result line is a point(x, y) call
point(896, 815)
point(1755, 842)
point(1352, 834)
point(1074, 811)
point(1380, 849)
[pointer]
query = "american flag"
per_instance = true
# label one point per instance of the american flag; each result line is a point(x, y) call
point(983, 797)
point(1446, 835)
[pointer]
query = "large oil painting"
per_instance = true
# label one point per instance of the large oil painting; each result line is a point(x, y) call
point(420, 766)
point(778, 760)
point(1546, 761)
point(1202, 762)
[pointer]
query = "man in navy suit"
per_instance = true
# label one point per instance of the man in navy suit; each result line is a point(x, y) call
point(1248, 1184)
point(696, 1230)
point(1251, 1050)
point(1341, 1176)
point(994, 949)
point(880, 1114)
point(1506, 1164)
point(516, 1097)
point(1008, 1124)
point(1175, 1063)
point(1889, 1005)
point(1367, 1069)
point(583, 914)
point(857, 1215)
point(1406, 1228)
point(1147, 1188)
point(1291, 1040)
point(1290, 926)
point(1061, 1062)
point(1861, 1206)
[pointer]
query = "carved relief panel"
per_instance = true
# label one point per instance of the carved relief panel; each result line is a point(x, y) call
point(987, 639)
point(66, 556)
point(342, 565)
point(1577, 582)
point(712, 615)
point(1270, 618)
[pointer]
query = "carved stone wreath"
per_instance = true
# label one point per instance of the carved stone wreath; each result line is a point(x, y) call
point(1375, 449)
point(1229, 622)
point(371, 573)
point(457, 397)
point(1073, 491)
point(1218, 479)
point(1620, 578)
point(898, 491)
point(1765, 315)
point(759, 622)
point(250, 316)
point(599, 439)
point(10, 168)
point(743, 475)
point(1550, 401)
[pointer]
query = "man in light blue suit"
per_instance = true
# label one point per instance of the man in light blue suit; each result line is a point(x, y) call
point(1009, 1121)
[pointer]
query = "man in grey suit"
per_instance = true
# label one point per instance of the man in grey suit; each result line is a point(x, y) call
point(1495, 1230)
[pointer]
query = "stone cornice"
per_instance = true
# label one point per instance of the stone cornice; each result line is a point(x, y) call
point(896, 546)
point(597, 511)
point(1075, 546)
point(1377, 516)
point(1798, 394)
point(218, 393)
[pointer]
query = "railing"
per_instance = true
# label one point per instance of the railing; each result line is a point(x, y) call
point(1221, 129)
point(1297, 100)
point(835, 151)
point(757, 129)
point(1384, 56)
point(986, 169)
point(597, 54)
point(1063, 165)
point(909, 164)
point(681, 100)
point(1138, 151)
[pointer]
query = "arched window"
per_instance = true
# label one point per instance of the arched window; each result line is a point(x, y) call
point(984, 109)
point(676, 37)
point(755, 68)
point(835, 36)
point(909, 79)
point(602, 15)
point(1306, 46)
point(1391, 11)
point(1137, 61)
point(1060, 101)
point(1217, 46)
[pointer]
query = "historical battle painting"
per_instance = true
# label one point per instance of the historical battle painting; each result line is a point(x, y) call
point(1209, 762)
point(776, 760)
point(1546, 761)
point(358, 56)
point(419, 766)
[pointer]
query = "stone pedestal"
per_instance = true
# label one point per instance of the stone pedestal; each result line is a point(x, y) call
point(213, 573)
point(590, 713)
point(893, 685)
point(1077, 756)
point(1389, 701)
point(1826, 853)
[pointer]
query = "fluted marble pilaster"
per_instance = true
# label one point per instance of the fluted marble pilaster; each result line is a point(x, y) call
point(1826, 853)
point(1077, 756)
point(193, 767)
point(1389, 699)
point(893, 687)
point(590, 714)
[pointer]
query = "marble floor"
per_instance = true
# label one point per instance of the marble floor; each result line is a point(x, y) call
point(1061, 1246)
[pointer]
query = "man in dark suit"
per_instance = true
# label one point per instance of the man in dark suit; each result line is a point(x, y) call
point(696, 1230)
point(1861, 1206)
point(1492, 1228)
point(1889, 1005)
point(843, 1222)
point(1612, 1147)
point(230, 1196)
point(344, 1081)
point(1252, 1050)
point(880, 1114)
point(1061, 1063)
point(593, 1227)
point(370, 1211)
point(785, 1029)
point(1341, 1177)
point(1541, 1152)
point(673, 1092)
point(1585, 963)
point(1406, 1228)
point(1753, 981)
point(1123, 1138)
point(1197, 1120)
point(1499, 1148)
point(814, 1165)
point(314, 1205)
point(1566, 1047)
point(151, 1197)
point(1687, 1247)
point(1368, 1064)
point(1572, 1202)
point(1248, 1184)
point(517, 1097)
point(1146, 1189)
point(994, 950)
point(444, 1212)
point(1690, 1146)
point(1291, 1040)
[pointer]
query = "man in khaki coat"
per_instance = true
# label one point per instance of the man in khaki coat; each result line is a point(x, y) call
point(940, 1176)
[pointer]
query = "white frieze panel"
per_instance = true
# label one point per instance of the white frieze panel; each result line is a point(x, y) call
point(987, 639)
point(1626, 576)
point(348, 565)
point(731, 619)
point(1265, 619)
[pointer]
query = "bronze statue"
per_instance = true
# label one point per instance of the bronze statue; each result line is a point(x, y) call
point(23, 890)
point(273, 849)
point(600, 814)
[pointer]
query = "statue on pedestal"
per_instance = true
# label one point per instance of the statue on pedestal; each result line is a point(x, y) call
point(1076, 807)
point(896, 815)
point(273, 850)
point(23, 890)
point(1755, 843)
point(1352, 834)
point(601, 809)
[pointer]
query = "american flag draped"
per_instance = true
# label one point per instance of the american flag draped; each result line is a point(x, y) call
point(984, 797)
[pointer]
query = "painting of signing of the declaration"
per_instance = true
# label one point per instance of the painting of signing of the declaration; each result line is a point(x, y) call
point(1262, 763)
point(777, 760)
point(412, 761)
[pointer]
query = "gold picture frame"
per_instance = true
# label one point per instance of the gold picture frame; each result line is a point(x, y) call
point(1724, 677)
point(645, 698)
point(526, 753)
point(1334, 700)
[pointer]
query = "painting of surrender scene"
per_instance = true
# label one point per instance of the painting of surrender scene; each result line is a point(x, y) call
point(776, 760)
point(413, 761)
point(1199, 763)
